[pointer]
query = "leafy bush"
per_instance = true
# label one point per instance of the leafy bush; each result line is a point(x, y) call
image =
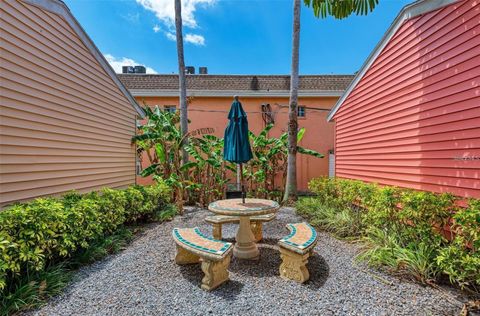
point(47, 230)
point(460, 260)
point(403, 230)
point(344, 222)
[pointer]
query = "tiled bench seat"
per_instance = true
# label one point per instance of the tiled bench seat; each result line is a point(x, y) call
point(256, 224)
point(295, 250)
point(214, 255)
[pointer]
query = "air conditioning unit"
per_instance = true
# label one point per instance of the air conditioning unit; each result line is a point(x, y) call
point(140, 70)
point(190, 70)
point(203, 70)
point(128, 70)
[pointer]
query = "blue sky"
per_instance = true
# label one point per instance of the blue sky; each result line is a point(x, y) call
point(231, 36)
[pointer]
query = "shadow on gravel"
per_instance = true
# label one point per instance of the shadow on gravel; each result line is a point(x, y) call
point(194, 274)
point(229, 290)
point(270, 241)
point(319, 272)
point(265, 267)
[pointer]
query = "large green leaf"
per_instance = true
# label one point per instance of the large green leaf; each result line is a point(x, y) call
point(309, 152)
point(149, 170)
point(188, 165)
point(300, 134)
point(160, 152)
point(146, 136)
point(341, 9)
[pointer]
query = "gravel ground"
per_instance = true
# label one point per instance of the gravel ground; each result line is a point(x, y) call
point(144, 280)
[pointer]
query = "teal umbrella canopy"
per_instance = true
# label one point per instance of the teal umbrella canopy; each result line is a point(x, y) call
point(236, 143)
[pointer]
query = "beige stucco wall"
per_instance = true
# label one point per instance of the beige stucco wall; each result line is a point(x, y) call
point(64, 123)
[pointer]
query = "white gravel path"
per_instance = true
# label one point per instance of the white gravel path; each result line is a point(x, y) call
point(144, 280)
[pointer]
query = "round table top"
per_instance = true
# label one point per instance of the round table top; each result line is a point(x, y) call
point(252, 207)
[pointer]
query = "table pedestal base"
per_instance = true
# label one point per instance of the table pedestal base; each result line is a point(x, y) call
point(245, 247)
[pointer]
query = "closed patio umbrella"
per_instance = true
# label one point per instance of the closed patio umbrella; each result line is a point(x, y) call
point(236, 144)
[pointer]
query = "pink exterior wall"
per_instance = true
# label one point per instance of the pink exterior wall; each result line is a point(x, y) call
point(417, 108)
point(318, 136)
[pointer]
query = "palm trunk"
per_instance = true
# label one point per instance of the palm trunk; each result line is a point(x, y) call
point(291, 185)
point(181, 78)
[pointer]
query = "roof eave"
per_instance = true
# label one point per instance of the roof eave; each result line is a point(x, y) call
point(60, 8)
point(409, 11)
point(230, 93)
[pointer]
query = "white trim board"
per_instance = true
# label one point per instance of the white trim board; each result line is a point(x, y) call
point(231, 93)
point(408, 12)
point(59, 8)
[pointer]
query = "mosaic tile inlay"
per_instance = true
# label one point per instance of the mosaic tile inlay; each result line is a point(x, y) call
point(194, 238)
point(302, 235)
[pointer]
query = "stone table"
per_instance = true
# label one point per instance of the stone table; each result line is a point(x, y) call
point(245, 246)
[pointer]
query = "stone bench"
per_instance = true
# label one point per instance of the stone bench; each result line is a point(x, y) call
point(256, 224)
point(214, 255)
point(295, 249)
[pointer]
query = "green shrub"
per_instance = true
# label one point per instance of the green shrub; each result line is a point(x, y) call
point(403, 229)
point(342, 222)
point(48, 230)
point(387, 248)
point(460, 260)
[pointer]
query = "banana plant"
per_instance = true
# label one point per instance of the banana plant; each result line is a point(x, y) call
point(209, 169)
point(270, 159)
point(160, 139)
point(206, 174)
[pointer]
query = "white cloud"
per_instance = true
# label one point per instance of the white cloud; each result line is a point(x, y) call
point(165, 11)
point(195, 39)
point(131, 17)
point(171, 36)
point(117, 63)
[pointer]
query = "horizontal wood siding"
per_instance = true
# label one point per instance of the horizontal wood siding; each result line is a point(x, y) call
point(417, 109)
point(64, 123)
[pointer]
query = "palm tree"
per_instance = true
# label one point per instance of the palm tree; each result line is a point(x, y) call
point(338, 9)
point(291, 183)
point(181, 79)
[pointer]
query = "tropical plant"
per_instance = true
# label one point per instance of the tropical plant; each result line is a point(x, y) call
point(208, 170)
point(206, 174)
point(323, 9)
point(270, 160)
point(161, 141)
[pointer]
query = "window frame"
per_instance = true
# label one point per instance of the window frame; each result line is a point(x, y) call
point(167, 108)
point(304, 111)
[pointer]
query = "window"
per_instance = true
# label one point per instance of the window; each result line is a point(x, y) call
point(170, 108)
point(301, 111)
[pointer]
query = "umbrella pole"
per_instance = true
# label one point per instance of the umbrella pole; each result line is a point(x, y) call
point(238, 178)
point(243, 186)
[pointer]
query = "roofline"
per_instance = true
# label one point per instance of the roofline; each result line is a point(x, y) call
point(408, 12)
point(60, 8)
point(236, 75)
point(230, 93)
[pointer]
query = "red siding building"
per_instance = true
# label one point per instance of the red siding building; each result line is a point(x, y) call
point(411, 116)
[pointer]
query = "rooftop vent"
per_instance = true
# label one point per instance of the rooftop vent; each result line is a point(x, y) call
point(134, 70)
point(190, 70)
point(140, 70)
point(203, 70)
point(128, 70)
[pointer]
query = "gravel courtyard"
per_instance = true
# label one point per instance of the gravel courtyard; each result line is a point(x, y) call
point(144, 280)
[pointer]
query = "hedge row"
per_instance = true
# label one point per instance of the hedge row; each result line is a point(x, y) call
point(49, 229)
point(426, 233)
